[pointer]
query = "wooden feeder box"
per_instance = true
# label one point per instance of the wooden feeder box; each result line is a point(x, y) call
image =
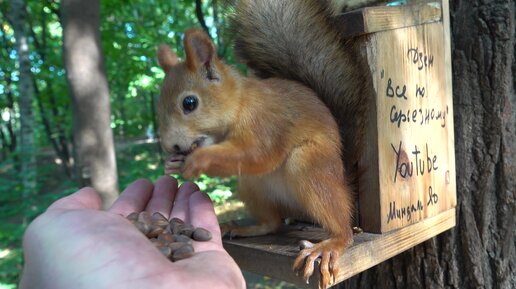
point(408, 194)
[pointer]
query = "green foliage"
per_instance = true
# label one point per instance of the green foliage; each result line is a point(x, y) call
point(220, 190)
point(130, 33)
point(47, 68)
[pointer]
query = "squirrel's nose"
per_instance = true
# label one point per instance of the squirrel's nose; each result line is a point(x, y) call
point(176, 148)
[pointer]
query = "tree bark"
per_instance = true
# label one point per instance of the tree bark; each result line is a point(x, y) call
point(27, 150)
point(480, 251)
point(93, 136)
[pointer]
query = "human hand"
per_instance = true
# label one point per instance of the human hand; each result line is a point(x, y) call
point(76, 245)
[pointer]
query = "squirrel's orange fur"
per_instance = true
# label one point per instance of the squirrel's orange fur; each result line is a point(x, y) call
point(275, 134)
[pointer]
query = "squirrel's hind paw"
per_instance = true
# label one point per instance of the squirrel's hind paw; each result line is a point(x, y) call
point(326, 253)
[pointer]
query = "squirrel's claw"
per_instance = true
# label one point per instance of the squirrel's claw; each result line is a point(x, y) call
point(226, 229)
point(326, 253)
point(328, 268)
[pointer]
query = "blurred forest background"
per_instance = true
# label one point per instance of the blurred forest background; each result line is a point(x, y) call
point(39, 162)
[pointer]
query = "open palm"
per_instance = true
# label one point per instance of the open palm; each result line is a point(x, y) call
point(76, 245)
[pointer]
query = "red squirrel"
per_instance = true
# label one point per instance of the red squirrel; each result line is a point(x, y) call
point(276, 135)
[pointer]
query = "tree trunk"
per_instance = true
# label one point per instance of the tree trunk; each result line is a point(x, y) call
point(3, 144)
point(27, 150)
point(121, 128)
point(93, 137)
point(480, 251)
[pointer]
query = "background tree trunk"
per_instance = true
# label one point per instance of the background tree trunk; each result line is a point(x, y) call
point(93, 136)
point(480, 251)
point(27, 150)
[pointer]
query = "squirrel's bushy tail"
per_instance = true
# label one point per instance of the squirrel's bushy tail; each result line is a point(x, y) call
point(296, 40)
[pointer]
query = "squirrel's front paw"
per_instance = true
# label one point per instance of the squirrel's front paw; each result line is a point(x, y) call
point(196, 164)
point(174, 164)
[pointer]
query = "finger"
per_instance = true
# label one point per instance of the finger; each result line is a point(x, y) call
point(181, 202)
point(202, 214)
point(134, 198)
point(165, 190)
point(85, 198)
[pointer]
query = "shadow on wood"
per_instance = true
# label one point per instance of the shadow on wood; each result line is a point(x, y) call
point(273, 255)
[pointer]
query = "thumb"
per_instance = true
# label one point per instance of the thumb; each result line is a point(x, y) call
point(85, 198)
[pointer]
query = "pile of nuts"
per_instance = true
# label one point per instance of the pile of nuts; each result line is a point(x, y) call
point(173, 238)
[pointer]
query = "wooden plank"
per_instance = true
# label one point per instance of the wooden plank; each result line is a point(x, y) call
point(381, 18)
point(397, 60)
point(413, 160)
point(273, 255)
point(369, 199)
point(372, 249)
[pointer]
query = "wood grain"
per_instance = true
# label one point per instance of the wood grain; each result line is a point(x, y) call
point(410, 164)
point(273, 255)
point(396, 36)
point(381, 18)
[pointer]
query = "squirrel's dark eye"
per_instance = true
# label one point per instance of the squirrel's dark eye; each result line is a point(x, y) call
point(190, 103)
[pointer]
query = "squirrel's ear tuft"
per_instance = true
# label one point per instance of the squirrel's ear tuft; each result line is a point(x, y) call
point(166, 58)
point(201, 53)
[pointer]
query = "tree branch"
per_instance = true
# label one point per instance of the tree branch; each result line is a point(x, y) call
point(200, 16)
point(37, 43)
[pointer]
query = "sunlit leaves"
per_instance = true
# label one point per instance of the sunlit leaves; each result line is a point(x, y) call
point(131, 32)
